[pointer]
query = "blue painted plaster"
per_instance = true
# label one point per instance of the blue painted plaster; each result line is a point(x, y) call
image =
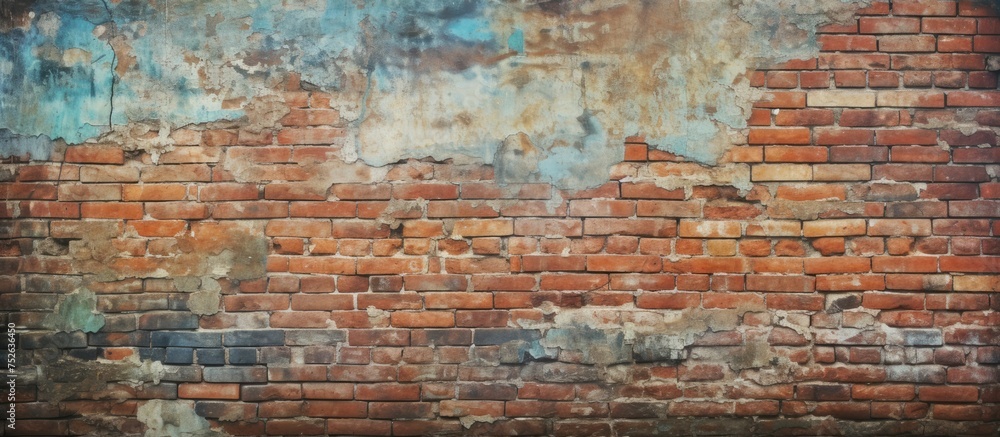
point(414, 78)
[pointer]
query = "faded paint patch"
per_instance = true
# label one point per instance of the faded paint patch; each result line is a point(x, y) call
point(444, 79)
point(606, 338)
point(76, 311)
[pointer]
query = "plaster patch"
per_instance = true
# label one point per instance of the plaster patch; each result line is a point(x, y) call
point(174, 418)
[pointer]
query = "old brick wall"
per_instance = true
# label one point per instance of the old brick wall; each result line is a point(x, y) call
point(835, 273)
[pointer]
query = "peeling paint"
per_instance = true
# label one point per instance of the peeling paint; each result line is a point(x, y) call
point(76, 311)
point(441, 79)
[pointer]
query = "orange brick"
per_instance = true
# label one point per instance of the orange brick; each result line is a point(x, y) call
point(780, 136)
point(154, 192)
point(111, 210)
point(95, 155)
point(479, 228)
point(833, 228)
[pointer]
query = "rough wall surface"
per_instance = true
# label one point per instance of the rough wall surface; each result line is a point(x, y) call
point(803, 243)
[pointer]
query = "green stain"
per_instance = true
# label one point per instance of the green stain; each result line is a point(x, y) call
point(76, 312)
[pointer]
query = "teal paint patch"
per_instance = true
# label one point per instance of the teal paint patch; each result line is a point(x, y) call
point(76, 312)
point(470, 29)
point(515, 42)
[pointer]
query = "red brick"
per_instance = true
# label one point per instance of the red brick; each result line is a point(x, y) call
point(191, 155)
point(776, 283)
point(428, 191)
point(293, 191)
point(635, 152)
point(636, 227)
point(647, 190)
point(847, 43)
point(906, 137)
point(623, 263)
point(888, 392)
point(964, 173)
point(557, 281)
point(44, 192)
point(962, 412)
point(298, 228)
point(310, 117)
point(158, 228)
point(758, 117)
point(980, 264)
point(920, 154)
point(965, 26)
point(782, 100)
point(484, 227)
point(974, 98)
point(950, 43)
point(362, 427)
point(177, 173)
point(228, 191)
point(804, 117)
point(782, 79)
point(668, 300)
point(700, 372)
point(177, 210)
point(827, 137)
point(317, 135)
point(948, 394)
point(602, 208)
point(42, 209)
point(914, 7)
point(891, 301)
point(888, 25)
point(814, 79)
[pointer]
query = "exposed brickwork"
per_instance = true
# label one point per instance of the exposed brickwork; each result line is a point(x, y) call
point(858, 265)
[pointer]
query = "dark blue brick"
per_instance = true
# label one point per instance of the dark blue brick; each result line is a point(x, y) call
point(153, 354)
point(119, 323)
point(163, 390)
point(56, 340)
point(487, 337)
point(442, 337)
point(187, 339)
point(262, 337)
point(84, 354)
point(242, 356)
point(214, 410)
point(168, 320)
point(182, 373)
point(211, 357)
point(179, 355)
